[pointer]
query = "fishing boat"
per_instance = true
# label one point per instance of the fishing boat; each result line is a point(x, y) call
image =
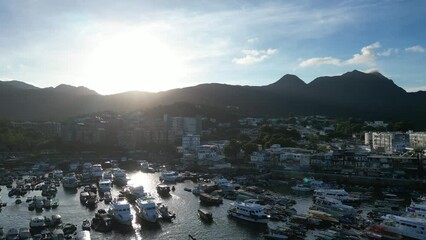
point(105, 185)
point(146, 209)
point(210, 199)
point(205, 215)
point(37, 223)
point(120, 211)
point(248, 211)
point(101, 222)
point(277, 233)
point(96, 171)
point(323, 216)
point(70, 181)
point(164, 213)
point(92, 200)
point(119, 176)
point(163, 190)
point(83, 235)
point(24, 233)
point(12, 234)
point(85, 225)
point(107, 197)
point(134, 192)
point(83, 197)
point(168, 176)
point(55, 203)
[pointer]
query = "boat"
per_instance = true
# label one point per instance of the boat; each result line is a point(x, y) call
point(134, 192)
point(146, 209)
point(85, 225)
point(163, 190)
point(168, 176)
point(58, 174)
point(416, 210)
point(408, 227)
point(210, 199)
point(83, 197)
point(92, 200)
point(29, 199)
point(101, 222)
point(83, 235)
point(164, 213)
point(70, 181)
point(107, 197)
point(107, 176)
point(55, 203)
point(37, 223)
point(93, 188)
point(187, 189)
point(38, 203)
point(276, 233)
point(24, 233)
point(248, 211)
point(56, 219)
point(301, 188)
point(332, 206)
point(96, 171)
point(323, 216)
point(119, 176)
point(47, 203)
point(120, 211)
point(205, 215)
point(224, 184)
point(18, 200)
point(339, 194)
point(12, 234)
point(104, 185)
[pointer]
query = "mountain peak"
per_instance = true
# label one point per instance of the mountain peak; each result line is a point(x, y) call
point(18, 85)
point(75, 90)
point(288, 81)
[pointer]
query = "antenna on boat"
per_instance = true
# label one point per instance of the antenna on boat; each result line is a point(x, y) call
point(191, 237)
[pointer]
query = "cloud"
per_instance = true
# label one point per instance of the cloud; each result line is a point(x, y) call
point(388, 52)
point(254, 56)
point(252, 40)
point(366, 57)
point(416, 49)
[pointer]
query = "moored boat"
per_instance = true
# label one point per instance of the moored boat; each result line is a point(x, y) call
point(163, 190)
point(205, 215)
point(120, 211)
point(248, 211)
point(210, 199)
point(146, 209)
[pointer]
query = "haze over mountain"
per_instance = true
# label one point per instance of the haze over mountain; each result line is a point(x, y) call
point(353, 94)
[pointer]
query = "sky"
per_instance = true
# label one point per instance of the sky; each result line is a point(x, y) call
point(115, 46)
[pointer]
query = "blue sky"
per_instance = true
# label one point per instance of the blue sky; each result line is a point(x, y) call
point(114, 46)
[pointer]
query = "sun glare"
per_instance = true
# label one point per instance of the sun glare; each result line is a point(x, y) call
point(134, 60)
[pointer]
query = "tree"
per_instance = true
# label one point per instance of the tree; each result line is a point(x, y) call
point(232, 149)
point(249, 148)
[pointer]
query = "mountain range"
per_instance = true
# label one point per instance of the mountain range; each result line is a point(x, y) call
point(370, 96)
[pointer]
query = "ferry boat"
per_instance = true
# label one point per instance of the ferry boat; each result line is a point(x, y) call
point(332, 206)
point(408, 227)
point(146, 209)
point(70, 181)
point(104, 185)
point(96, 171)
point(416, 210)
point(339, 194)
point(248, 211)
point(120, 211)
point(168, 176)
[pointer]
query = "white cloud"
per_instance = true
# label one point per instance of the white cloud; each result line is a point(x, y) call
point(416, 49)
point(366, 57)
point(252, 40)
point(254, 56)
point(388, 52)
point(320, 61)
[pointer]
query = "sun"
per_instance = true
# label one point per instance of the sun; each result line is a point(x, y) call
point(134, 60)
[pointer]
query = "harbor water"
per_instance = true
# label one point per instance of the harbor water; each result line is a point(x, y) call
point(182, 202)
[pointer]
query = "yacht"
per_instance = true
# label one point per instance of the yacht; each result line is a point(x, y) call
point(416, 210)
point(119, 176)
point(332, 206)
point(146, 209)
point(96, 171)
point(339, 194)
point(120, 211)
point(70, 181)
point(135, 192)
point(408, 227)
point(104, 185)
point(248, 211)
point(168, 176)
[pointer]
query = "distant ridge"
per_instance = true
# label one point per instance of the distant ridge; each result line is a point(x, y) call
point(353, 94)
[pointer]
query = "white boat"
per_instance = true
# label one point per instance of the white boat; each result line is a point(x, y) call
point(146, 209)
point(332, 206)
point(276, 233)
point(224, 184)
point(135, 192)
point(96, 171)
point(107, 197)
point(24, 233)
point(416, 210)
point(70, 181)
point(108, 176)
point(119, 176)
point(339, 194)
point(405, 226)
point(120, 211)
point(104, 185)
point(37, 222)
point(12, 234)
point(168, 176)
point(248, 211)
